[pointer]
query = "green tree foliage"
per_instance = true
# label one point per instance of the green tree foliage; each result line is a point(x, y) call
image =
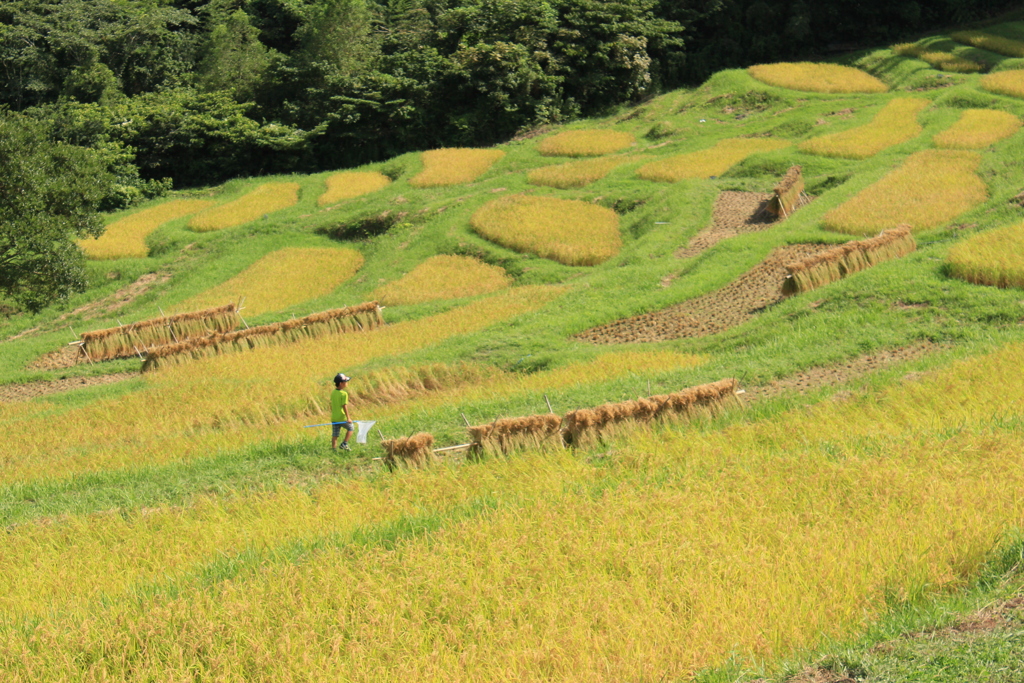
point(234, 59)
point(49, 193)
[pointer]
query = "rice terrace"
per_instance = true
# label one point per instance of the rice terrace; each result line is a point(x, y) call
point(725, 386)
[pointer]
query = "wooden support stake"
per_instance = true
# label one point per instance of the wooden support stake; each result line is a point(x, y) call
point(460, 447)
point(550, 409)
point(464, 419)
point(381, 434)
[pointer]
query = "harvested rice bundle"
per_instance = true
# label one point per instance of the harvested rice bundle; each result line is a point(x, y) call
point(1005, 83)
point(786, 196)
point(896, 123)
point(265, 199)
point(585, 143)
point(831, 78)
point(988, 41)
point(576, 173)
point(411, 451)
point(571, 232)
point(350, 184)
point(284, 278)
point(846, 259)
point(506, 435)
point(707, 162)
point(585, 425)
point(928, 189)
point(337, 321)
point(126, 341)
point(126, 238)
point(453, 166)
point(994, 258)
point(444, 277)
point(978, 128)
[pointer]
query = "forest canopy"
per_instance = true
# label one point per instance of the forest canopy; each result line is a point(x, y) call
point(187, 92)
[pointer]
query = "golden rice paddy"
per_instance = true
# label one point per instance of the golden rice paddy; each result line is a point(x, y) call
point(576, 173)
point(284, 278)
point(454, 166)
point(1005, 83)
point(126, 237)
point(977, 129)
point(707, 162)
point(263, 201)
point(571, 232)
point(990, 42)
point(573, 570)
point(928, 189)
point(351, 184)
point(994, 257)
point(444, 277)
point(895, 123)
point(585, 143)
point(943, 61)
point(812, 77)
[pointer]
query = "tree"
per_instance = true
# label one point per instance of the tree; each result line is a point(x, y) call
point(48, 197)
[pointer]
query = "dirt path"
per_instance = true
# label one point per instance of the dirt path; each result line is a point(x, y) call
point(735, 213)
point(732, 305)
point(805, 381)
point(11, 393)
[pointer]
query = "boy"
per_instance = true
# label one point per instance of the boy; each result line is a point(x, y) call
point(339, 412)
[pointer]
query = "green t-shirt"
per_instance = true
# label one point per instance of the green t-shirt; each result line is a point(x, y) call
point(339, 399)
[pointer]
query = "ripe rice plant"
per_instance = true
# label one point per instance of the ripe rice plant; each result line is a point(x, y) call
point(126, 237)
point(397, 384)
point(576, 173)
point(978, 128)
point(264, 200)
point(444, 277)
point(895, 123)
point(133, 340)
point(284, 278)
point(454, 166)
point(364, 316)
point(854, 502)
point(571, 232)
point(1005, 83)
point(994, 258)
point(928, 189)
point(992, 43)
point(811, 77)
point(708, 162)
point(585, 143)
point(846, 259)
point(350, 184)
point(943, 61)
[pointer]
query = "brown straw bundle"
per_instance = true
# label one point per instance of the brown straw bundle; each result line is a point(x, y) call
point(506, 435)
point(336, 321)
point(129, 340)
point(411, 451)
point(786, 197)
point(835, 264)
point(586, 425)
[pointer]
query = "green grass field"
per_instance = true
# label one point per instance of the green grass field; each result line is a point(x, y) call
point(184, 524)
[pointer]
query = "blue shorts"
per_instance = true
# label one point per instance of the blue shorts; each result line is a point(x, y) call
point(337, 427)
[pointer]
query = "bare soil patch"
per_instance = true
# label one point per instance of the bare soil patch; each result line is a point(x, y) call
point(11, 393)
point(735, 213)
point(64, 357)
point(805, 381)
point(732, 305)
